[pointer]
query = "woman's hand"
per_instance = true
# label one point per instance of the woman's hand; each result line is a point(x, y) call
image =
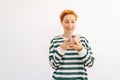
point(72, 44)
point(66, 44)
point(76, 45)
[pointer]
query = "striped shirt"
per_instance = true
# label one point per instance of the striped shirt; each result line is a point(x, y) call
point(70, 64)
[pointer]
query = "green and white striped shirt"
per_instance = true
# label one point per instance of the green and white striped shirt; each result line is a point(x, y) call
point(70, 64)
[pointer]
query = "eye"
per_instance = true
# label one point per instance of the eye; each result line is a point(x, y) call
point(66, 22)
point(73, 21)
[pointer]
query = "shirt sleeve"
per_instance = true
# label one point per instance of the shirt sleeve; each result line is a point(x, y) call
point(55, 55)
point(86, 53)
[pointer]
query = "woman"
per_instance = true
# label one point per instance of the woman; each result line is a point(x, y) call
point(70, 54)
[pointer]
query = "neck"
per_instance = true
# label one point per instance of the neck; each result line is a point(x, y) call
point(67, 35)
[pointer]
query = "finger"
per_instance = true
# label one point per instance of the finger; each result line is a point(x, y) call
point(72, 47)
point(76, 41)
point(67, 40)
point(69, 43)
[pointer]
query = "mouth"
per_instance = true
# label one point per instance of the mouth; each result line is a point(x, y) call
point(69, 29)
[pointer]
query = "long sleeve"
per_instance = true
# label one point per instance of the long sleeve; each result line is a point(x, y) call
point(55, 54)
point(86, 54)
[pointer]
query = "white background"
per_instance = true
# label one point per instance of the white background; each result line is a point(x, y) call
point(27, 26)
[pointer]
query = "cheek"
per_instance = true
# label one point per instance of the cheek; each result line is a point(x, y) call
point(74, 26)
point(65, 26)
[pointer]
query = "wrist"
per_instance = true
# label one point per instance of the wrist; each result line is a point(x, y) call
point(79, 49)
point(63, 47)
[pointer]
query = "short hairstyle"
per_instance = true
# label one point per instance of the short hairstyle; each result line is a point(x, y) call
point(66, 12)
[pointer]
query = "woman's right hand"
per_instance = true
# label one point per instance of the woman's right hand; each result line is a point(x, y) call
point(65, 44)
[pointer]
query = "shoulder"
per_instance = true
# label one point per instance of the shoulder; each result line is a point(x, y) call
point(55, 38)
point(83, 38)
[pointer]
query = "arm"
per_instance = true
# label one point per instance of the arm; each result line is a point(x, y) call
point(55, 55)
point(86, 53)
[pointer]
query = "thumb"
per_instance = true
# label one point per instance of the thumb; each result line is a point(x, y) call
point(67, 40)
point(76, 41)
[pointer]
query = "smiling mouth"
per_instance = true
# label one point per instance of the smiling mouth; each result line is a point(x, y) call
point(69, 29)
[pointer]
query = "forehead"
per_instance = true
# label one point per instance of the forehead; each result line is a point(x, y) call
point(69, 17)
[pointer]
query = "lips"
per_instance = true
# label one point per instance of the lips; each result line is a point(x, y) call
point(69, 29)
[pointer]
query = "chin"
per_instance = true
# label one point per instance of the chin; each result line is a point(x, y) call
point(70, 32)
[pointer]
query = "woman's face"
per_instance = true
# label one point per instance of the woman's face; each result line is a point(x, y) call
point(69, 23)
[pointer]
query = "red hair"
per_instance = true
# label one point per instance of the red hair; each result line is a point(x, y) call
point(66, 12)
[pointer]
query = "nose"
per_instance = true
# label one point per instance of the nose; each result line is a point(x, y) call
point(70, 25)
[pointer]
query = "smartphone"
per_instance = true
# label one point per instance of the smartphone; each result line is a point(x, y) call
point(73, 36)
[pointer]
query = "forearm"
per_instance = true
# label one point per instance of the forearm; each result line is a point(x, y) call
point(56, 56)
point(87, 57)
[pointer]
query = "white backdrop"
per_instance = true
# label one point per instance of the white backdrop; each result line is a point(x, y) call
point(27, 26)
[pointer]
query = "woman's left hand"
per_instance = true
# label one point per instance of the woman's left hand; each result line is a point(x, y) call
point(76, 45)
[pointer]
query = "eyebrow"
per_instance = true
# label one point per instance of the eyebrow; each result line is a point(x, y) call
point(68, 20)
